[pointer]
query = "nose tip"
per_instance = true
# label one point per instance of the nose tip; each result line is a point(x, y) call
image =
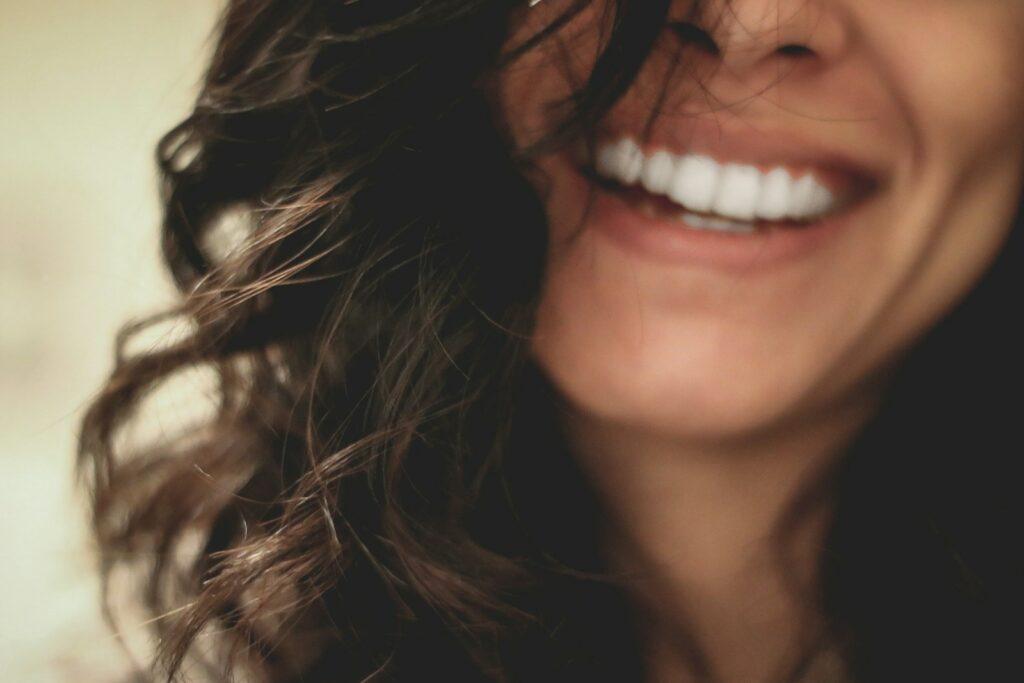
point(743, 34)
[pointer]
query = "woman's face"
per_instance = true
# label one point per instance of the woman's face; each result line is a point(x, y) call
point(906, 115)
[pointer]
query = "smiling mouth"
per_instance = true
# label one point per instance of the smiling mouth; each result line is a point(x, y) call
point(702, 193)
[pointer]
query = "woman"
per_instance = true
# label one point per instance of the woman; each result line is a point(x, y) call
point(621, 341)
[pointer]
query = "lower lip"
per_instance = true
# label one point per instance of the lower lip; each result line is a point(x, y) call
point(673, 242)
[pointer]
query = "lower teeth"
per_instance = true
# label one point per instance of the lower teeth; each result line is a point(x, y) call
point(704, 221)
point(717, 223)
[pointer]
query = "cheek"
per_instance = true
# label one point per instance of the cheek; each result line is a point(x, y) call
point(525, 94)
point(960, 76)
point(961, 85)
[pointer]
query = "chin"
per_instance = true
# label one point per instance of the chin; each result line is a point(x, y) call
point(683, 397)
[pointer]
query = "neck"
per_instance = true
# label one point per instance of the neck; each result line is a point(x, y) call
point(717, 541)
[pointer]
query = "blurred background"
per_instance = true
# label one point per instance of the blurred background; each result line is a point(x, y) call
point(86, 89)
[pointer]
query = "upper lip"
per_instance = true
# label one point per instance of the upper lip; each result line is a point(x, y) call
point(762, 147)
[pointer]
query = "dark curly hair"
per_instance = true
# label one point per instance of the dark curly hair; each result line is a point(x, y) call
point(380, 489)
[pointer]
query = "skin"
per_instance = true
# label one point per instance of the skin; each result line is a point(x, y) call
point(701, 399)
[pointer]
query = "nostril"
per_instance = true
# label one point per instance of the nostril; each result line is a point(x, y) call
point(795, 50)
point(691, 34)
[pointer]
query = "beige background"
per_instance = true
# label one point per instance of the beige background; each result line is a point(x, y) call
point(86, 88)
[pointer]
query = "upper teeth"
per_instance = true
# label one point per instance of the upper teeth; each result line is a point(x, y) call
point(699, 183)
